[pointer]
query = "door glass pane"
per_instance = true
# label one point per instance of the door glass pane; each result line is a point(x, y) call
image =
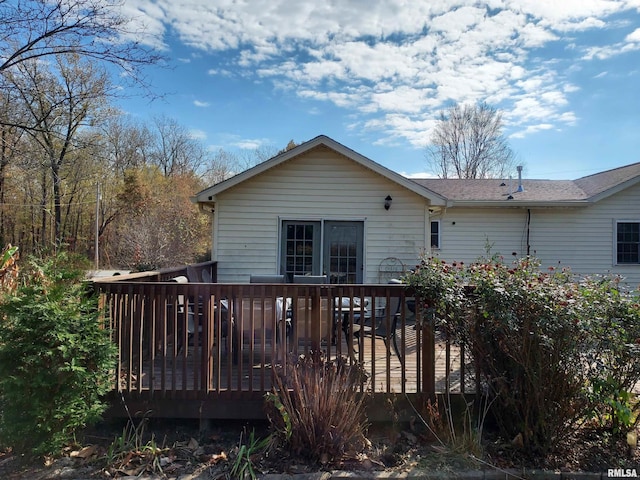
point(344, 251)
point(301, 249)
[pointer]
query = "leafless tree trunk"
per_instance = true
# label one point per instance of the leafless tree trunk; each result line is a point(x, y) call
point(468, 142)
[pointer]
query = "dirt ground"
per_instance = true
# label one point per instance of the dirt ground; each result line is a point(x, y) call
point(171, 449)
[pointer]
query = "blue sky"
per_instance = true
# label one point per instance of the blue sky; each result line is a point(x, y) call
point(374, 75)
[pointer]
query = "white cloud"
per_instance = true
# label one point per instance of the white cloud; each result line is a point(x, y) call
point(397, 66)
point(531, 129)
point(198, 134)
point(250, 143)
point(419, 175)
point(220, 72)
point(201, 104)
point(633, 36)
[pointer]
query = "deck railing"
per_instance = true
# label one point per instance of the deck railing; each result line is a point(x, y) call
point(208, 342)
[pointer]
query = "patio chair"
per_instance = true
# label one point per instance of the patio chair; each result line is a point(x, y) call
point(377, 326)
point(345, 308)
point(314, 279)
point(281, 303)
point(192, 274)
point(190, 316)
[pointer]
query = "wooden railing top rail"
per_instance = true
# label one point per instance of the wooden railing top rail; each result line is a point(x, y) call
point(162, 275)
point(278, 289)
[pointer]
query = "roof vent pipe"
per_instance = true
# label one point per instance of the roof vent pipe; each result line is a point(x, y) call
point(520, 187)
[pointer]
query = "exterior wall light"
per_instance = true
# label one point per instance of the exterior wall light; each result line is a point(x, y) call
point(387, 202)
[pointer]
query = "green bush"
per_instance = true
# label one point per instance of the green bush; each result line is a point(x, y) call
point(551, 349)
point(316, 410)
point(527, 342)
point(56, 360)
point(612, 316)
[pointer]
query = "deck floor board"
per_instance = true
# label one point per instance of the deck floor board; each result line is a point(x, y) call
point(253, 370)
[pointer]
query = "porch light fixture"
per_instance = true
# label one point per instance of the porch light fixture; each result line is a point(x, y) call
point(387, 202)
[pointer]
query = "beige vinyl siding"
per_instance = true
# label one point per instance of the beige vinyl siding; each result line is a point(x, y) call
point(319, 185)
point(466, 233)
point(588, 245)
point(582, 238)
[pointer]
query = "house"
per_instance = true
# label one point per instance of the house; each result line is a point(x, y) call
point(591, 224)
point(319, 208)
point(324, 209)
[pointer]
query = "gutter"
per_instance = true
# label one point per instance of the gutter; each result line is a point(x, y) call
point(521, 203)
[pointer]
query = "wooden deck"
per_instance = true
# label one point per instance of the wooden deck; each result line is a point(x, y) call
point(252, 373)
point(208, 350)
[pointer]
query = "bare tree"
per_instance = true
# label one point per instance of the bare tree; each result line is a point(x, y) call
point(9, 140)
point(224, 164)
point(157, 230)
point(290, 146)
point(468, 142)
point(61, 102)
point(125, 144)
point(221, 166)
point(174, 149)
point(32, 29)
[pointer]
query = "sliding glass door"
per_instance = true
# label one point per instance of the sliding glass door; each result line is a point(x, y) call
point(332, 248)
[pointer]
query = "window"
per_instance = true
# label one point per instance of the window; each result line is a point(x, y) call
point(435, 234)
point(628, 242)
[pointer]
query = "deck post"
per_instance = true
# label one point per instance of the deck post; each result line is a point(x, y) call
point(316, 318)
point(428, 353)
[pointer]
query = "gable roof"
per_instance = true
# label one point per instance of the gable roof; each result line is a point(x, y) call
point(607, 183)
point(499, 192)
point(460, 192)
point(208, 195)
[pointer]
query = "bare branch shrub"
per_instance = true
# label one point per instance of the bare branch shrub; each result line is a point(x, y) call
point(316, 409)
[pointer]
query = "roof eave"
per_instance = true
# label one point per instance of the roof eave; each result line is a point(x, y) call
point(520, 203)
point(615, 189)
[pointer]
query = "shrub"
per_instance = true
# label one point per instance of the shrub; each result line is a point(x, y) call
point(527, 344)
point(8, 269)
point(612, 316)
point(440, 286)
point(550, 348)
point(56, 360)
point(316, 410)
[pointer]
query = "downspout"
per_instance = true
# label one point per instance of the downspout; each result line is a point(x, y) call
point(427, 233)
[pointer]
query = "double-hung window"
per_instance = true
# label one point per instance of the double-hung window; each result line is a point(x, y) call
point(628, 242)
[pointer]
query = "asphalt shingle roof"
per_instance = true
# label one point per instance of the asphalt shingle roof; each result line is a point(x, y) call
point(490, 190)
point(496, 190)
point(603, 181)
